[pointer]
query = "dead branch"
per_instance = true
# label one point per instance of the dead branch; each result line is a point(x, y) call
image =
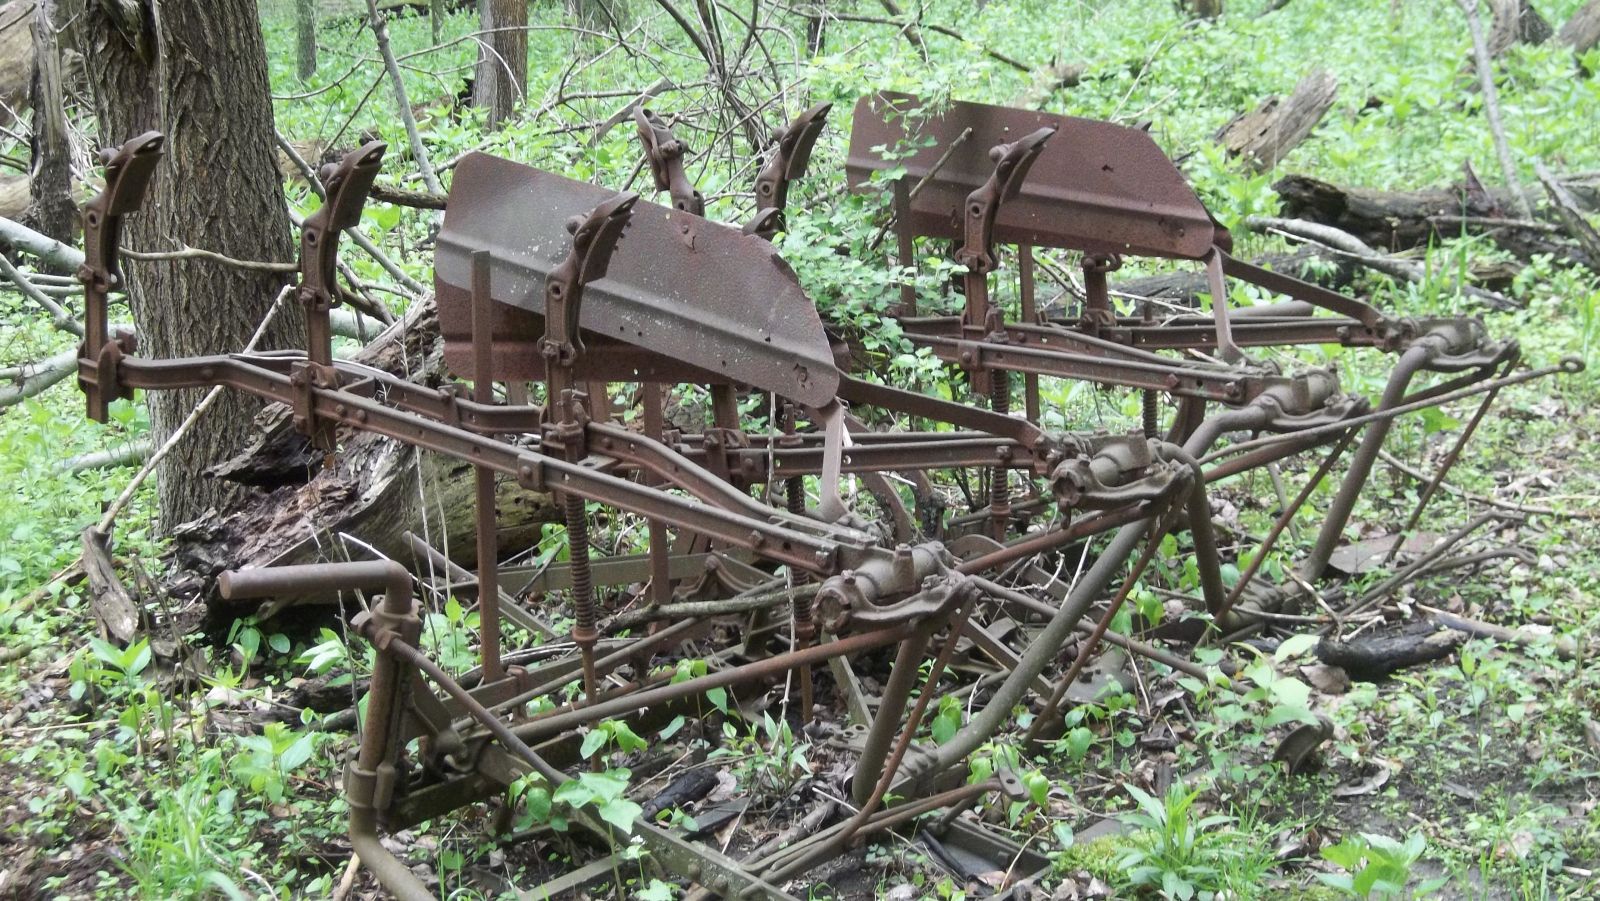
point(32, 378)
point(1348, 244)
point(126, 454)
point(419, 151)
point(1566, 209)
point(59, 317)
point(1491, 107)
point(200, 253)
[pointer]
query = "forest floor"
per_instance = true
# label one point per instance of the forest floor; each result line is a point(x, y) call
point(177, 768)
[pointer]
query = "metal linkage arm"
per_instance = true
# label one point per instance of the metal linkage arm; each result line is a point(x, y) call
point(664, 152)
point(128, 172)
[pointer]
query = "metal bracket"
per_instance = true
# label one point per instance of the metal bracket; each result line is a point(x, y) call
point(346, 185)
point(664, 152)
point(1011, 164)
point(594, 239)
point(128, 172)
point(791, 152)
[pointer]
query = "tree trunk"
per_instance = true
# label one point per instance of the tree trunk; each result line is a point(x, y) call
point(502, 76)
point(196, 71)
point(1515, 21)
point(377, 491)
point(1582, 31)
point(51, 209)
point(1206, 9)
point(305, 29)
point(1266, 134)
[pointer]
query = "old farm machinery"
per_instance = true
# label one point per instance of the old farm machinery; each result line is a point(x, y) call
point(552, 293)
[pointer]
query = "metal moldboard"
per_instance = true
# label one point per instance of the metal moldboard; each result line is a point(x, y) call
point(1096, 187)
point(684, 299)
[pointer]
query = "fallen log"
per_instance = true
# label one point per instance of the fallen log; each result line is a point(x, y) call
point(1309, 264)
point(1266, 134)
point(1399, 220)
point(378, 490)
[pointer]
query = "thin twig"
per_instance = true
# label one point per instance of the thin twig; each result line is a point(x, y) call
point(1491, 107)
point(419, 152)
point(200, 253)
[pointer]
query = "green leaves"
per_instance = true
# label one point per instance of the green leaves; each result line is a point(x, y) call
point(604, 792)
point(1377, 866)
point(947, 721)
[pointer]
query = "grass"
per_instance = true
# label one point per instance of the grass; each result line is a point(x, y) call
point(164, 777)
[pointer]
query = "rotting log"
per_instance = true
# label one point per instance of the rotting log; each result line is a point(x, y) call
point(1374, 656)
point(1269, 132)
point(1397, 220)
point(378, 490)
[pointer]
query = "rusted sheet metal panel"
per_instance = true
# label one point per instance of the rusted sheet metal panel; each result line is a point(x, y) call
point(1097, 187)
point(684, 299)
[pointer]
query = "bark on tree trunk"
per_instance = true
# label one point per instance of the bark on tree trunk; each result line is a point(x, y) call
point(1206, 9)
point(51, 209)
point(197, 71)
point(1515, 21)
point(502, 76)
point(1582, 31)
point(305, 27)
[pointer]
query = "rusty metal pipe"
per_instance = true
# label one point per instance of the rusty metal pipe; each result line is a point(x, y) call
point(1415, 358)
point(892, 703)
point(557, 723)
point(1038, 655)
point(313, 579)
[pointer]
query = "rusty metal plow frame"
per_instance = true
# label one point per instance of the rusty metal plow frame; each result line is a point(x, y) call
point(473, 742)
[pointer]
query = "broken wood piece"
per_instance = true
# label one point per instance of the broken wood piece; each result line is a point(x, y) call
point(1566, 209)
point(113, 606)
point(1268, 133)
